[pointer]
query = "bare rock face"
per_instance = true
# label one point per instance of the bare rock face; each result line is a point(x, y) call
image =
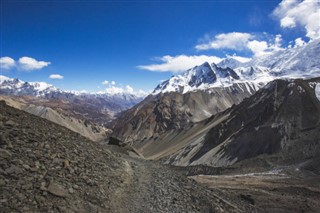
point(280, 125)
point(174, 111)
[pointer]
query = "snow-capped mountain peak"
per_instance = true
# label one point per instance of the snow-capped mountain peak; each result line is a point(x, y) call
point(199, 77)
point(297, 62)
point(229, 62)
point(15, 86)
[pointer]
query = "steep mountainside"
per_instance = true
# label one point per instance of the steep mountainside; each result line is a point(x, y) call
point(280, 125)
point(173, 111)
point(86, 128)
point(48, 168)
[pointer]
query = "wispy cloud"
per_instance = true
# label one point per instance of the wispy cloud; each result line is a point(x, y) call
point(111, 89)
point(56, 76)
point(233, 40)
point(259, 43)
point(6, 63)
point(294, 13)
point(119, 90)
point(105, 82)
point(179, 63)
point(299, 42)
point(239, 58)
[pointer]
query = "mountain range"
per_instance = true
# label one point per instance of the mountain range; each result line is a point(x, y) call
point(207, 89)
point(100, 108)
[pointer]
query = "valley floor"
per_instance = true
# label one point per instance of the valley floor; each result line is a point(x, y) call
point(269, 192)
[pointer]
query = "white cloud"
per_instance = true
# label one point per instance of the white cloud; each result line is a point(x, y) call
point(113, 82)
point(258, 43)
point(28, 64)
point(142, 93)
point(6, 63)
point(287, 22)
point(113, 90)
point(105, 82)
point(179, 63)
point(304, 13)
point(239, 58)
point(56, 76)
point(233, 40)
point(258, 47)
point(129, 89)
point(299, 42)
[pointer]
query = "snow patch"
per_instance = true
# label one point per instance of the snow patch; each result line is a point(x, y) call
point(300, 89)
point(317, 91)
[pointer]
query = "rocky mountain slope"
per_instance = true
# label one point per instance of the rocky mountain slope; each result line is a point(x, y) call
point(45, 167)
point(279, 125)
point(174, 111)
point(73, 122)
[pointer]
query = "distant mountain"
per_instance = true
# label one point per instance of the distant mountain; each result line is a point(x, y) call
point(229, 62)
point(200, 77)
point(297, 62)
point(14, 86)
point(98, 107)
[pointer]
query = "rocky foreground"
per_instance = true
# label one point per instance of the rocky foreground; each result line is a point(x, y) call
point(45, 167)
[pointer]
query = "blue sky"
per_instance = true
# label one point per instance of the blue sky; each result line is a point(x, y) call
point(138, 43)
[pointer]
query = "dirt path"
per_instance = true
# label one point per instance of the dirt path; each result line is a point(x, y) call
point(152, 187)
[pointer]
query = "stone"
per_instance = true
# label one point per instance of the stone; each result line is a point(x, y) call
point(57, 190)
point(13, 170)
point(66, 163)
point(4, 154)
point(71, 191)
point(37, 164)
point(2, 182)
point(27, 167)
point(11, 123)
point(3, 140)
point(43, 186)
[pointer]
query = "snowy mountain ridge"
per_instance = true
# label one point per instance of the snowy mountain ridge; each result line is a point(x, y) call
point(14, 86)
point(297, 62)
